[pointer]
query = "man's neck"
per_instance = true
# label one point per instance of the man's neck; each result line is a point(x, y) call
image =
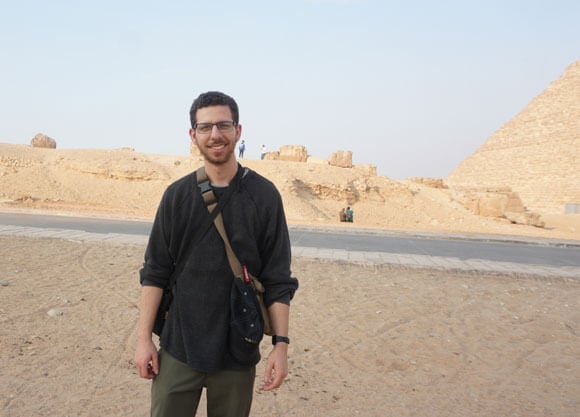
point(221, 175)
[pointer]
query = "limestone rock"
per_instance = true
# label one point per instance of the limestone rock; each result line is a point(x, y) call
point(526, 218)
point(272, 156)
point(341, 159)
point(43, 141)
point(501, 203)
point(296, 153)
point(53, 312)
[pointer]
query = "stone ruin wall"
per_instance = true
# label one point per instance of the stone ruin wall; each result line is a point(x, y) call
point(536, 154)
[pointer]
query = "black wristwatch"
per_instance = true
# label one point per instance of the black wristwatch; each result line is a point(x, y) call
point(283, 339)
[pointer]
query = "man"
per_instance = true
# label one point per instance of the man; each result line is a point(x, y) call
point(349, 213)
point(263, 152)
point(194, 350)
point(242, 148)
point(342, 214)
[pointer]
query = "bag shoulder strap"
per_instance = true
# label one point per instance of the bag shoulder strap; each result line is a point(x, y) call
point(210, 200)
point(235, 264)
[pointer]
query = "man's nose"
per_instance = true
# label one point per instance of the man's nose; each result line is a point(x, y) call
point(215, 132)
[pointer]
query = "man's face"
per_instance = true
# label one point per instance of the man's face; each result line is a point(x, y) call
point(217, 146)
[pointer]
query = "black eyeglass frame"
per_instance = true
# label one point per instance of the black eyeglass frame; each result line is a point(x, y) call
point(226, 127)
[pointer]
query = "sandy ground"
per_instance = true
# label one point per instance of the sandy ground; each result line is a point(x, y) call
point(366, 341)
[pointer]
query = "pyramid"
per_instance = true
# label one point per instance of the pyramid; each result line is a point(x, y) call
point(536, 154)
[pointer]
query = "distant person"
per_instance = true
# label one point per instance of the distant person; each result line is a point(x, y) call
point(349, 214)
point(262, 151)
point(241, 149)
point(342, 215)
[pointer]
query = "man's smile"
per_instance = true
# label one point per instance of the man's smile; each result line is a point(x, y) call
point(218, 146)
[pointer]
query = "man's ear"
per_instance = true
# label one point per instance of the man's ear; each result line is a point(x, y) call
point(192, 136)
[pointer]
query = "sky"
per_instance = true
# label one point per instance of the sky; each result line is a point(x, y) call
point(413, 87)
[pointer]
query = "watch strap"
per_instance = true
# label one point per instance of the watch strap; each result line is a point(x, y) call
point(283, 339)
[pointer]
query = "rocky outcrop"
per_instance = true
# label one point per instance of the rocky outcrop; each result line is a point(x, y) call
point(501, 203)
point(370, 189)
point(42, 141)
point(341, 159)
point(272, 156)
point(295, 153)
point(298, 153)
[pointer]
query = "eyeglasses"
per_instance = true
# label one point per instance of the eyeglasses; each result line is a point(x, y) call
point(206, 128)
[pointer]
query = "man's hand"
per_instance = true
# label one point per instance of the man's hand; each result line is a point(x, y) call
point(276, 367)
point(146, 359)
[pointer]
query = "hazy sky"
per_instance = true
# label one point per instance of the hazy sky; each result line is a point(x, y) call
point(413, 87)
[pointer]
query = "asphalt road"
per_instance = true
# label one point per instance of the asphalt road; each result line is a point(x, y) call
point(526, 251)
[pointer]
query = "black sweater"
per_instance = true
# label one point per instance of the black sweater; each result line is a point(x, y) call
point(197, 327)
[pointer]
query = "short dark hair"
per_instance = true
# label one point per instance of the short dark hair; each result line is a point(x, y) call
point(213, 98)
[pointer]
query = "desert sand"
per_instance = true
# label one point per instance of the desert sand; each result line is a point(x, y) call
point(366, 341)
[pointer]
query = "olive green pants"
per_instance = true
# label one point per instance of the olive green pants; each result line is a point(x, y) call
point(177, 389)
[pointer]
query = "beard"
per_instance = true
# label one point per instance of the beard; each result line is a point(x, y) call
point(226, 154)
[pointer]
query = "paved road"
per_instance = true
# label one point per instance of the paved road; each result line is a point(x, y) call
point(473, 253)
point(462, 248)
point(87, 224)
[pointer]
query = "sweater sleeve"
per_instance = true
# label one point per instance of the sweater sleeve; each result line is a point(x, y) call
point(159, 263)
point(275, 250)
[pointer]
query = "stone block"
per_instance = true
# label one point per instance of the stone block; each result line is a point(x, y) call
point(341, 159)
point(272, 156)
point(42, 141)
point(295, 153)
